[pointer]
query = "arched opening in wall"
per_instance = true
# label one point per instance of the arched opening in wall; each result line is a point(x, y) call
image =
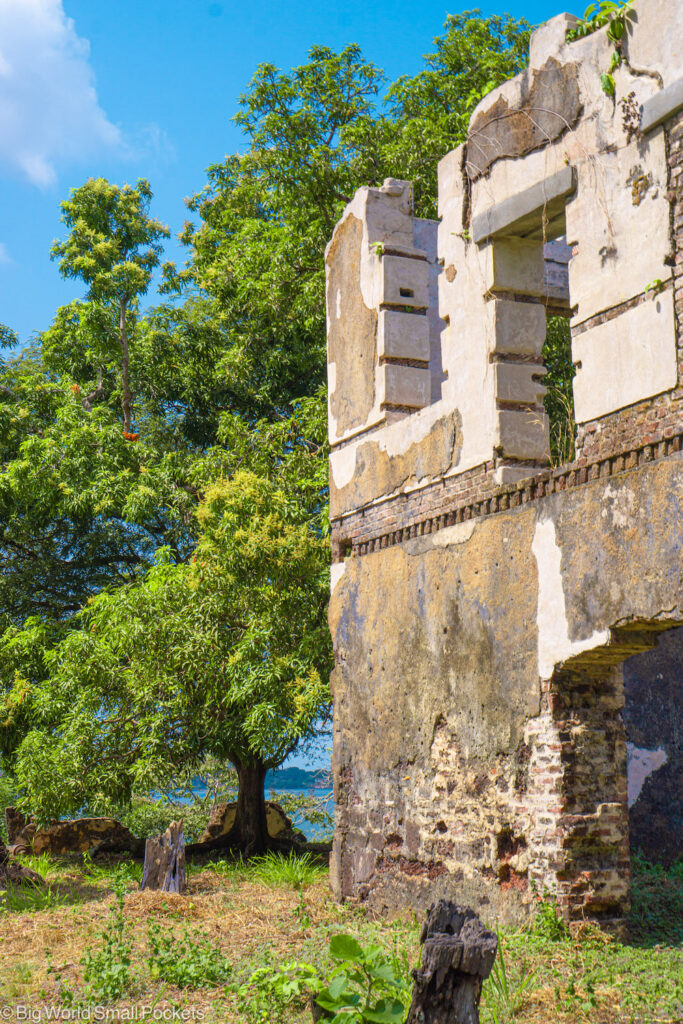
point(618, 723)
point(653, 722)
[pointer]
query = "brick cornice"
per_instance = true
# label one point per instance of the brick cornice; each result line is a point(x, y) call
point(492, 498)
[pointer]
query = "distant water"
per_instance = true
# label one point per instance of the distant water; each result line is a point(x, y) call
point(298, 782)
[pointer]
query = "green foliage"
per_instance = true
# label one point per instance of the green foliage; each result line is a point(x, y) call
point(308, 808)
point(31, 897)
point(8, 795)
point(296, 871)
point(113, 247)
point(146, 816)
point(559, 397)
point(656, 915)
point(242, 629)
point(615, 14)
point(8, 337)
point(612, 13)
point(548, 923)
point(188, 961)
point(107, 971)
point(365, 986)
point(504, 992)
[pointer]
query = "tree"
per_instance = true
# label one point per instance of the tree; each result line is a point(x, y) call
point(315, 135)
point(230, 381)
point(227, 656)
point(113, 247)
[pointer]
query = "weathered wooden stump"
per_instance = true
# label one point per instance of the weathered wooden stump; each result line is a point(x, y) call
point(457, 955)
point(164, 866)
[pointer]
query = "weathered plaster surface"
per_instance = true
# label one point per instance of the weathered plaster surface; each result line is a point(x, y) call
point(488, 634)
point(351, 332)
point(442, 644)
point(372, 466)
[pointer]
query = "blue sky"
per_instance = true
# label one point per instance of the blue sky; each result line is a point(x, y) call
point(146, 88)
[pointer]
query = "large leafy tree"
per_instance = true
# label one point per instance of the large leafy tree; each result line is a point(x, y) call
point(227, 656)
point(122, 434)
point(315, 135)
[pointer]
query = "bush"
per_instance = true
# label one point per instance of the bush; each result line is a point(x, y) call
point(187, 962)
point(148, 817)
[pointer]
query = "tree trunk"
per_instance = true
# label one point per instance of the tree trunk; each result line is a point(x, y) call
point(164, 866)
point(126, 401)
point(250, 831)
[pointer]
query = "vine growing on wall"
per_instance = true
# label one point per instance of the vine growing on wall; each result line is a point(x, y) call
point(611, 13)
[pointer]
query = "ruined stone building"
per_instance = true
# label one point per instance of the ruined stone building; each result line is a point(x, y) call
point(500, 625)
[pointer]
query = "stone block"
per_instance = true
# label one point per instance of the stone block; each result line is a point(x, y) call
point(531, 208)
point(515, 382)
point(515, 265)
point(626, 359)
point(620, 219)
point(403, 335)
point(523, 435)
point(519, 327)
point(662, 105)
point(549, 39)
point(405, 282)
point(404, 385)
point(654, 39)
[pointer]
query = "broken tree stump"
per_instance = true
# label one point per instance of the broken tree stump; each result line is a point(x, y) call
point(457, 955)
point(164, 866)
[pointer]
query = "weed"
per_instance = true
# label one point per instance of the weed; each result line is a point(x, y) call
point(547, 923)
point(503, 994)
point(31, 897)
point(365, 986)
point(186, 962)
point(294, 871)
point(107, 971)
point(41, 863)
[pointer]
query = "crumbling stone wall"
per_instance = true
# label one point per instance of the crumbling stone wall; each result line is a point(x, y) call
point(483, 604)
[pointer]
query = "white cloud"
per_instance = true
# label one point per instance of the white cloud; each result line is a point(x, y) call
point(49, 112)
point(4, 255)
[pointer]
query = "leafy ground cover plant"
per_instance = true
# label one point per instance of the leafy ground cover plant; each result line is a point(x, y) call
point(365, 986)
point(188, 961)
point(107, 971)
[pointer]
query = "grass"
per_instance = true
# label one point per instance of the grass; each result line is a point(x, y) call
point(105, 942)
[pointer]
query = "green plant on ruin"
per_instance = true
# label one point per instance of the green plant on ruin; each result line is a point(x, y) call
point(611, 13)
point(559, 397)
